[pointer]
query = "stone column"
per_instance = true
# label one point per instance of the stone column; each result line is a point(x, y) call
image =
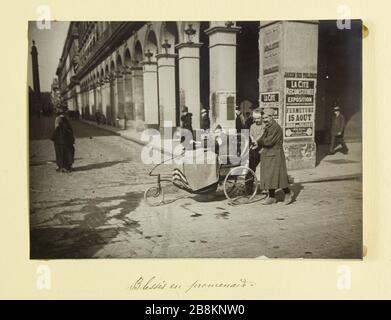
point(138, 97)
point(189, 79)
point(85, 106)
point(79, 98)
point(104, 96)
point(94, 100)
point(151, 98)
point(106, 92)
point(128, 100)
point(222, 53)
point(119, 98)
point(111, 90)
point(99, 96)
point(90, 100)
point(166, 74)
point(287, 81)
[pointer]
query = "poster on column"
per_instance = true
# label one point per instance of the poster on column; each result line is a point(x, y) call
point(271, 100)
point(299, 107)
point(270, 36)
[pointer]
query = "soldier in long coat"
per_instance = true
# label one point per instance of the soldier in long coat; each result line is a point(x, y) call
point(273, 164)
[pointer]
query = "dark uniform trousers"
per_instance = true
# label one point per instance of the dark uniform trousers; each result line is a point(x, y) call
point(337, 140)
point(254, 159)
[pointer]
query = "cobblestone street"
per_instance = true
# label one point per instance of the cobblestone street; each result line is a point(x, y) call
point(98, 211)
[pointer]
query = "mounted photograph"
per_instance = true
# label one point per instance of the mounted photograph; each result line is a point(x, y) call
point(195, 139)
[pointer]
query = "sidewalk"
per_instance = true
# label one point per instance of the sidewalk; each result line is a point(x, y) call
point(329, 167)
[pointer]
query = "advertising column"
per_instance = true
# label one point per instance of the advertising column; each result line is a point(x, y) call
point(288, 78)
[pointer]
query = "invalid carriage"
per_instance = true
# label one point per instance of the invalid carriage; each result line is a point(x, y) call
point(203, 171)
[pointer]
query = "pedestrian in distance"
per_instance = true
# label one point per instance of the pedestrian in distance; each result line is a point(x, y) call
point(205, 121)
point(187, 138)
point(249, 117)
point(63, 140)
point(240, 121)
point(337, 131)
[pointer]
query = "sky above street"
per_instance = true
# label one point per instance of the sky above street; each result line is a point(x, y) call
point(49, 43)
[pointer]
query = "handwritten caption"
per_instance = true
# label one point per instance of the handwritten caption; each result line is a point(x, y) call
point(154, 283)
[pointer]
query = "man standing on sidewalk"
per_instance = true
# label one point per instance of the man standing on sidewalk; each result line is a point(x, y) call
point(240, 121)
point(273, 166)
point(337, 131)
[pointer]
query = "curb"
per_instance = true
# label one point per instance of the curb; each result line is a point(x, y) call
point(142, 143)
point(98, 126)
point(124, 136)
point(329, 179)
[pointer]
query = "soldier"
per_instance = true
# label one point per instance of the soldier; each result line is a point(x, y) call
point(240, 121)
point(187, 139)
point(186, 119)
point(205, 121)
point(249, 117)
point(337, 131)
point(273, 166)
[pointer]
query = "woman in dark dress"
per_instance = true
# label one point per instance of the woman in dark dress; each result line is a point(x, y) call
point(63, 143)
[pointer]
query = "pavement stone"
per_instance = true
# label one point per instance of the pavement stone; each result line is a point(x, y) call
point(98, 211)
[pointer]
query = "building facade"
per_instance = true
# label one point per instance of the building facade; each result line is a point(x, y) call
point(140, 74)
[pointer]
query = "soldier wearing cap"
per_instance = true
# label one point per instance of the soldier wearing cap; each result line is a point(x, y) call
point(273, 166)
point(337, 131)
point(186, 119)
point(240, 121)
point(205, 121)
point(187, 138)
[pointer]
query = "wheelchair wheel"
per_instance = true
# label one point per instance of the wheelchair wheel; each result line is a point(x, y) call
point(154, 196)
point(238, 186)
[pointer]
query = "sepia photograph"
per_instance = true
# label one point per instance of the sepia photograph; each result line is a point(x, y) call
point(195, 139)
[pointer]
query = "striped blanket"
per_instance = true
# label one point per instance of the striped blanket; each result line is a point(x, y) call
point(197, 171)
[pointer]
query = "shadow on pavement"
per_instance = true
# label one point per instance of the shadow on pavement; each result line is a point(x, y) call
point(80, 234)
point(322, 151)
point(42, 129)
point(98, 165)
point(296, 188)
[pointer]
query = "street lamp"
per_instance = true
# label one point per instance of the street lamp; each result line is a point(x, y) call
point(149, 55)
point(229, 24)
point(166, 46)
point(190, 32)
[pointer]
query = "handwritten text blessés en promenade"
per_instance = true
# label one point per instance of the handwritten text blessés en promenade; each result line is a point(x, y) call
point(153, 283)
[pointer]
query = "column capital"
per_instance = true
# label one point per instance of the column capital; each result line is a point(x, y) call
point(188, 45)
point(263, 24)
point(222, 29)
point(118, 74)
point(136, 68)
point(146, 62)
point(126, 70)
point(166, 55)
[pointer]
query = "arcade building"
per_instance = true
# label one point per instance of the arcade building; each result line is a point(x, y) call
point(140, 75)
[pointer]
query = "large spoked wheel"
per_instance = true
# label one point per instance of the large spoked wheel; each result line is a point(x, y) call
point(240, 185)
point(154, 196)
